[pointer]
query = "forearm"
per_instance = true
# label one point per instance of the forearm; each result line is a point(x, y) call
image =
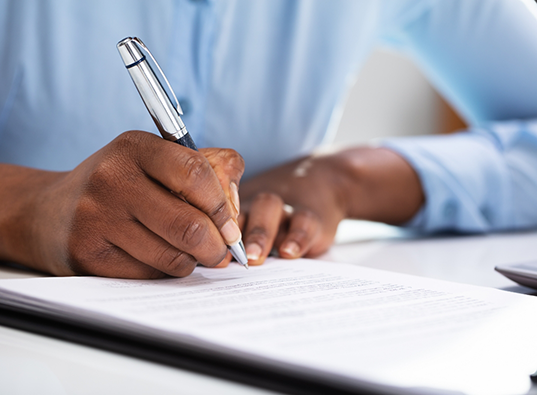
point(377, 184)
point(22, 189)
point(363, 183)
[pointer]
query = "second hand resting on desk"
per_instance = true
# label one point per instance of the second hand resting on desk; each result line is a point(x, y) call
point(166, 115)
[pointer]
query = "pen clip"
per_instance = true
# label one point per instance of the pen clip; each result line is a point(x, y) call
point(169, 91)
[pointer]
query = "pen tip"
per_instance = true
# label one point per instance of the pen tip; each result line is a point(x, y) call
point(238, 252)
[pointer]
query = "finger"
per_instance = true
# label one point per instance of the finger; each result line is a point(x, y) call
point(145, 246)
point(229, 167)
point(228, 164)
point(262, 226)
point(187, 173)
point(303, 231)
point(112, 261)
point(178, 223)
point(225, 261)
point(242, 221)
point(233, 194)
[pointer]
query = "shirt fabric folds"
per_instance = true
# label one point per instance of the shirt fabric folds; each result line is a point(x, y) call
point(267, 77)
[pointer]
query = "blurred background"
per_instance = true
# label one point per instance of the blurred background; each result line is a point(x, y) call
point(391, 97)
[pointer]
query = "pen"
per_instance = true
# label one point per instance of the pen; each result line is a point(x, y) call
point(157, 100)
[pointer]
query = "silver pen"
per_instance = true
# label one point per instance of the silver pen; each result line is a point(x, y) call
point(158, 102)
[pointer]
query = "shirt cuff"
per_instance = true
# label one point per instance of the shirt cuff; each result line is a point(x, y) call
point(464, 179)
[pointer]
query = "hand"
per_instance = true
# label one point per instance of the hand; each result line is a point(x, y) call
point(123, 212)
point(363, 183)
point(294, 209)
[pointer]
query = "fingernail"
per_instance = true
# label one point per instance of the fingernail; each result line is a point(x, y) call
point(230, 232)
point(253, 251)
point(291, 249)
point(235, 197)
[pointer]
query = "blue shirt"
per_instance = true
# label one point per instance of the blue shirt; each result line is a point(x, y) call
point(266, 77)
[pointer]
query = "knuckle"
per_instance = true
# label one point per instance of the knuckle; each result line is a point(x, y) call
point(269, 198)
point(197, 168)
point(173, 261)
point(130, 139)
point(189, 230)
point(194, 233)
point(219, 213)
point(128, 142)
point(111, 175)
point(234, 159)
point(102, 177)
point(137, 147)
point(258, 234)
point(167, 257)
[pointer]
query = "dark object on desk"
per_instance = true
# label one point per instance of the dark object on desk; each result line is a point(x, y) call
point(523, 273)
point(533, 377)
point(190, 358)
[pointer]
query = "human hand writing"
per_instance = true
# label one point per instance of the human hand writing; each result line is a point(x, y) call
point(141, 207)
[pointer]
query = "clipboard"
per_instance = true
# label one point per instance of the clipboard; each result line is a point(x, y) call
point(215, 364)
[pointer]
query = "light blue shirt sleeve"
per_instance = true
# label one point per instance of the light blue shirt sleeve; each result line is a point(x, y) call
point(486, 65)
point(266, 77)
point(478, 181)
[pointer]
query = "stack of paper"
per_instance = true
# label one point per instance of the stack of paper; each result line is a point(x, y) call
point(336, 321)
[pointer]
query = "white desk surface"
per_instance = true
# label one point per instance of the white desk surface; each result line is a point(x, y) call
point(33, 364)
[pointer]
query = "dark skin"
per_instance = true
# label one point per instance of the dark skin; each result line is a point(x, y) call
point(123, 212)
point(363, 183)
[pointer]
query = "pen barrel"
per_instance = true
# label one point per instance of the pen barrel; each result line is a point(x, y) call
point(159, 105)
point(156, 99)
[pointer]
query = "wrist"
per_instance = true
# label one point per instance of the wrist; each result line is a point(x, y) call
point(377, 184)
point(20, 217)
point(340, 176)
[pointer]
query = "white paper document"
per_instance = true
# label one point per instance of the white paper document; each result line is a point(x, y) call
point(337, 318)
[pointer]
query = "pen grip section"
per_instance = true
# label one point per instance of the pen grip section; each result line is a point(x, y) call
point(186, 141)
